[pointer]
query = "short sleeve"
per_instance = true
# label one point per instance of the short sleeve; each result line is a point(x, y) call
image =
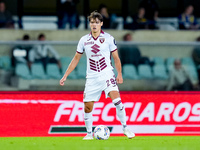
point(112, 44)
point(80, 46)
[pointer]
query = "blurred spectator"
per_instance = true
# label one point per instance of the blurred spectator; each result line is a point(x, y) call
point(139, 20)
point(66, 11)
point(180, 78)
point(20, 53)
point(44, 54)
point(6, 20)
point(108, 19)
point(196, 57)
point(151, 12)
point(130, 54)
point(187, 20)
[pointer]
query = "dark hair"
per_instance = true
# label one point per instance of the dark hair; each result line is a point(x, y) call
point(177, 61)
point(1, 1)
point(95, 15)
point(186, 7)
point(41, 36)
point(102, 6)
point(125, 36)
point(198, 39)
point(26, 37)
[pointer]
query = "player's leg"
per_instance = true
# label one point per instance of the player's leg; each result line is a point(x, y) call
point(121, 113)
point(92, 93)
point(112, 91)
point(114, 95)
point(88, 106)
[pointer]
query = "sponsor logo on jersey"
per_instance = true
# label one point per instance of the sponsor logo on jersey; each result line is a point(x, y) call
point(101, 40)
point(89, 39)
point(95, 48)
point(89, 43)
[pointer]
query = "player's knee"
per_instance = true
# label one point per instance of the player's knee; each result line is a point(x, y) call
point(88, 106)
point(87, 109)
point(114, 94)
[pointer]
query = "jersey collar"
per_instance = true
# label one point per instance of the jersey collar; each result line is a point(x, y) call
point(101, 35)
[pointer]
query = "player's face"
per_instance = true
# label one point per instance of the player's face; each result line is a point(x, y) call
point(95, 25)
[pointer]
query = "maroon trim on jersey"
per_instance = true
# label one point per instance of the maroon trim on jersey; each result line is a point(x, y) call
point(103, 67)
point(97, 65)
point(102, 32)
point(92, 63)
point(95, 38)
point(98, 36)
point(92, 66)
point(114, 50)
point(93, 69)
point(102, 61)
point(92, 60)
point(79, 52)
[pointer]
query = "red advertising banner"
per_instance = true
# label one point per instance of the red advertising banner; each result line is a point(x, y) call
point(61, 113)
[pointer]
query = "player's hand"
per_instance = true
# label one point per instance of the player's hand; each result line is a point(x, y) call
point(62, 81)
point(119, 79)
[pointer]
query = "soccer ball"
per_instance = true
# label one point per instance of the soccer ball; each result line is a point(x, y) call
point(101, 132)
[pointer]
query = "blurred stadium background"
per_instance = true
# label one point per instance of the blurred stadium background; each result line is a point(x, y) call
point(161, 46)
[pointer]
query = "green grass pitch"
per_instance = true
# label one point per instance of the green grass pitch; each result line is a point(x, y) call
point(113, 143)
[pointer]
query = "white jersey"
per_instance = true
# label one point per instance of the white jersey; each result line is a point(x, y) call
point(98, 52)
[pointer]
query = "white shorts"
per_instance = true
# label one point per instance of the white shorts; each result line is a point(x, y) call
point(95, 86)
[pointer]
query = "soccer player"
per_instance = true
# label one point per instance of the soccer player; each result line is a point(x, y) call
point(98, 46)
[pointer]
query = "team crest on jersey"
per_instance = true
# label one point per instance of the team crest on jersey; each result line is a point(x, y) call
point(101, 40)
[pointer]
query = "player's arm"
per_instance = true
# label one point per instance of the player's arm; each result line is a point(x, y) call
point(71, 67)
point(118, 67)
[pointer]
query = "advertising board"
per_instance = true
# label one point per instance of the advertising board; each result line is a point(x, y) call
point(61, 113)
